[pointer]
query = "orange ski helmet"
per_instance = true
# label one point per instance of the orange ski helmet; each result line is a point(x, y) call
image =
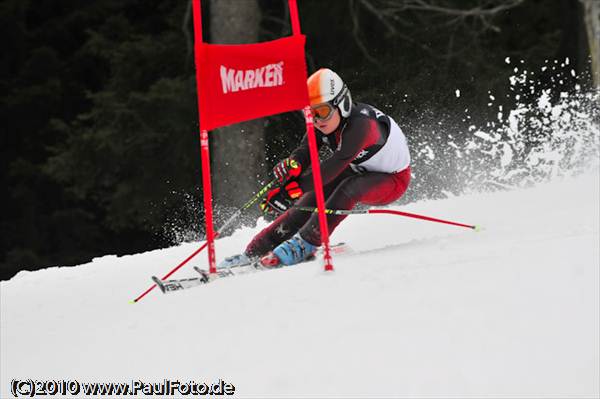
point(326, 86)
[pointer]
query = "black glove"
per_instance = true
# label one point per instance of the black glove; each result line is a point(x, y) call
point(287, 169)
point(279, 199)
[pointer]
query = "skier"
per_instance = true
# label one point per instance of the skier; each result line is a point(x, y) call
point(370, 165)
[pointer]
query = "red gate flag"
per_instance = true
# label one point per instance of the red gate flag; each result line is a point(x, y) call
point(248, 81)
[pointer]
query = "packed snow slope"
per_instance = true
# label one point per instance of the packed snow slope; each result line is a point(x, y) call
point(420, 309)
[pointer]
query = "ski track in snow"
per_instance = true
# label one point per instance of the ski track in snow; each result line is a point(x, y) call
point(420, 309)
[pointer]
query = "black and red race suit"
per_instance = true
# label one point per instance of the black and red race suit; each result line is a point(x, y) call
point(370, 165)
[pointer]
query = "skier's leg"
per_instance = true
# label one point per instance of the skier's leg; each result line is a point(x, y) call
point(369, 188)
point(281, 229)
point(288, 223)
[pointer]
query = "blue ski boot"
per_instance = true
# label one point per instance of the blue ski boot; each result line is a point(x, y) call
point(236, 261)
point(294, 250)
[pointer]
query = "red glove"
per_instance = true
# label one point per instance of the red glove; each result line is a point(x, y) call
point(279, 199)
point(287, 169)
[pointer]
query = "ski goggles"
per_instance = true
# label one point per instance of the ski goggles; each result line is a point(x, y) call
point(323, 111)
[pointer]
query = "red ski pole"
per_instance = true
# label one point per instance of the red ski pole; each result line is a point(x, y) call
point(179, 266)
point(388, 211)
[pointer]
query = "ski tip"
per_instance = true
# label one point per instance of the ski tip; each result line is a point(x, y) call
point(477, 228)
point(158, 283)
point(132, 301)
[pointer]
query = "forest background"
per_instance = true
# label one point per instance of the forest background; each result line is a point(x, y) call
point(100, 145)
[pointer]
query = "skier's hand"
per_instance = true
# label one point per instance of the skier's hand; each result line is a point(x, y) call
point(279, 199)
point(287, 169)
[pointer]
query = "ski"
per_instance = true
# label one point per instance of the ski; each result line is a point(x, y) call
point(173, 285)
point(267, 262)
point(167, 286)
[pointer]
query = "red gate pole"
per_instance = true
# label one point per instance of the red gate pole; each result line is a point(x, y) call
point(293, 6)
point(314, 157)
point(205, 152)
point(208, 211)
point(318, 183)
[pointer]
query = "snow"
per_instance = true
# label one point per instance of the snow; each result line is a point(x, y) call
point(419, 310)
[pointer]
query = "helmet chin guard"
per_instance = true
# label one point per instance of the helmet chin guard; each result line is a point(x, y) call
point(325, 86)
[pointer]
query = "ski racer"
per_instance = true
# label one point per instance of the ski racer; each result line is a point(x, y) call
point(370, 165)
